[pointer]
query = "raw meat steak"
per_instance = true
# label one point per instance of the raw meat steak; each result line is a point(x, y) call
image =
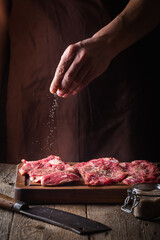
point(102, 171)
point(140, 171)
point(49, 171)
point(39, 164)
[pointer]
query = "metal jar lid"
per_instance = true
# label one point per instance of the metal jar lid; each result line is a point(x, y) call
point(147, 189)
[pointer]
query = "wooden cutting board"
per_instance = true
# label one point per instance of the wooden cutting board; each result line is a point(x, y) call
point(34, 193)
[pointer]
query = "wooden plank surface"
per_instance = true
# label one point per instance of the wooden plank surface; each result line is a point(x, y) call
point(124, 226)
point(7, 180)
point(34, 193)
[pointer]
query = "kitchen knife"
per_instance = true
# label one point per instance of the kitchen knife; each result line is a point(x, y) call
point(75, 223)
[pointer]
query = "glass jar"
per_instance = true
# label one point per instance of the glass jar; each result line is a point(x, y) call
point(143, 201)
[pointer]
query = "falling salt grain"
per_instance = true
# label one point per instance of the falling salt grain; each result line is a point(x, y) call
point(50, 124)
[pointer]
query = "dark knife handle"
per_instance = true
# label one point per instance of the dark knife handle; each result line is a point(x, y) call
point(10, 203)
point(6, 202)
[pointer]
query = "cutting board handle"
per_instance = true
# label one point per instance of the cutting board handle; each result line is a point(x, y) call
point(7, 202)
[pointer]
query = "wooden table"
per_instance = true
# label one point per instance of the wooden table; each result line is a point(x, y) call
point(14, 226)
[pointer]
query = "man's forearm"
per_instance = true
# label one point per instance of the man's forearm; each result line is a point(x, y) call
point(137, 19)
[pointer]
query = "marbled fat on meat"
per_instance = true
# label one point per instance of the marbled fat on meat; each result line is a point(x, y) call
point(57, 178)
point(39, 164)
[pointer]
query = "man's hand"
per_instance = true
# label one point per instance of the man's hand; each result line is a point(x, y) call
point(84, 61)
point(79, 65)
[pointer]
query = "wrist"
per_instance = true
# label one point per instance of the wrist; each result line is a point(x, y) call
point(111, 34)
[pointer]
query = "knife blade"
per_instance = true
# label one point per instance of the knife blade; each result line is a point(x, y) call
point(66, 220)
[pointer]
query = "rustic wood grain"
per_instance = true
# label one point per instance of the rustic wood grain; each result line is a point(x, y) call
point(124, 225)
point(7, 180)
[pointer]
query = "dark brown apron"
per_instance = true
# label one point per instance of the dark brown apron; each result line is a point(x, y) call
point(110, 117)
